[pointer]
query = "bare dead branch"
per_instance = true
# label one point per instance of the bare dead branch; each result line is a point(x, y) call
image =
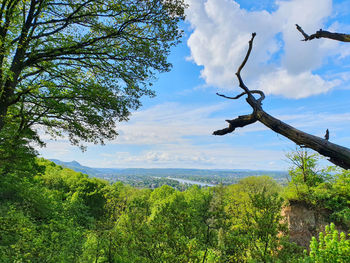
point(247, 55)
point(262, 95)
point(306, 36)
point(241, 121)
point(238, 73)
point(336, 154)
point(324, 34)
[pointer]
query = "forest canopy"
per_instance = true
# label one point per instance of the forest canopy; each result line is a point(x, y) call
point(59, 215)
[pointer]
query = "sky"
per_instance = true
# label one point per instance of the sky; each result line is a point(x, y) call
point(307, 85)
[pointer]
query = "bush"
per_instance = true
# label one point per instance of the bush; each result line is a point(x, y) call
point(330, 247)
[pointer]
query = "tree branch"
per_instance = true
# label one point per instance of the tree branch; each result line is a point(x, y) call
point(336, 154)
point(262, 95)
point(241, 121)
point(324, 34)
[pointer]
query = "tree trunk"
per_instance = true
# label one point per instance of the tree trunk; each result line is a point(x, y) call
point(3, 112)
point(337, 154)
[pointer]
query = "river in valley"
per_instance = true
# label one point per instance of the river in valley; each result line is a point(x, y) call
point(184, 181)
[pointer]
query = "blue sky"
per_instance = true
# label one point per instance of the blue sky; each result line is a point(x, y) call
point(306, 83)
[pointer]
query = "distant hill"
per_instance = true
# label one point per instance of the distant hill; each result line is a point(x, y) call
point(74, 165)
point(214, 176)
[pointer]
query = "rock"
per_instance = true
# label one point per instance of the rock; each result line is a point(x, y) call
point(304, 222)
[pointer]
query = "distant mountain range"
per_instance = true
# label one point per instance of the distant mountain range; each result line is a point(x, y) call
point(200, 175)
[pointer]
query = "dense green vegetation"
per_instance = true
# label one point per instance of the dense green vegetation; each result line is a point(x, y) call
point(58, 215)
point(331, 247)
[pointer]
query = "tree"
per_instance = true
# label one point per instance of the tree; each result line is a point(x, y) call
point(264, 223)
point(336, 154)
point(304, 168)
point(77, 67)
point(255, 229)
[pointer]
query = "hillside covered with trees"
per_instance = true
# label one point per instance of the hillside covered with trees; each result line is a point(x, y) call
point(59, 215)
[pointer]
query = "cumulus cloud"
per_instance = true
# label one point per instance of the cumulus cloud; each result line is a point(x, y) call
point(301, 85)
point(279, 62)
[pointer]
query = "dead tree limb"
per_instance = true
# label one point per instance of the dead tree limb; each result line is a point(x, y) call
point(324, 34)
point(336, 154)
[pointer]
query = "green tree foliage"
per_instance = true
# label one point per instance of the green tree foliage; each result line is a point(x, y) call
point(256, 225)
point(16, 155)
point(330, 247)
point(55, 214)
point(34, 224)
point(304, 173)
point(337, 198)
point(79, 66)
point(63, 216)
point(304, 168)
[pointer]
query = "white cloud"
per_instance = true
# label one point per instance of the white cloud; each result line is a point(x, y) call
point(310, 14)
point(304, 84)
point(60, 149)
point(195, 156)
point(169, 122)
point(221, 30)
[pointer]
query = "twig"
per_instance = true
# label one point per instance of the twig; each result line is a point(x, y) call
point(238, 73)
point(262, 95)
point(247, 55)
point(324, 34)
point(306, 36)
